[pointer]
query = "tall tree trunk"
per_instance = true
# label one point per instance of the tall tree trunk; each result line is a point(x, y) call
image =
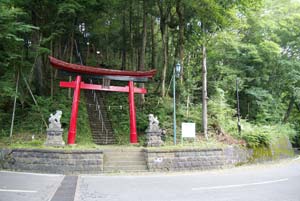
point(188, 101)
point(59, 50)
point(51, 71)
point(144, 39)
point(289, 110)
point(180, 12)
point(143, 49)
point(107, 53)
point(87, 54)
point(124, 41)
point(204, 91)
point(38, 64)
point(164, 10)
point(131, 36)
point(153, 44)
point(165, 59)
point(138, 52)
point(71, 59)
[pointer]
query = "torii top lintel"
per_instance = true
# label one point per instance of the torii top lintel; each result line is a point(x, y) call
point(95, 71)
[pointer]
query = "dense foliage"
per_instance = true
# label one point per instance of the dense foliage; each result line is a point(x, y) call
point(254, 43)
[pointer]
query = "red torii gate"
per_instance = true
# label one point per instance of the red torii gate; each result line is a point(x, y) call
point(129, 76)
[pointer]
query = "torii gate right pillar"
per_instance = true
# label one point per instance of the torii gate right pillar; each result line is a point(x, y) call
point(132, 114)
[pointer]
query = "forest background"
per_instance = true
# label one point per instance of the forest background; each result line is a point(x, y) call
point(252, 45)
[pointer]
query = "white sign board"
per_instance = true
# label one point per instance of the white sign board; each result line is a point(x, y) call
point(188, 129)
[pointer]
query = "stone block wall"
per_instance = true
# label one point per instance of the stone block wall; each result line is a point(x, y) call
point(157, 159)
point(195, 159)
point(53, 161)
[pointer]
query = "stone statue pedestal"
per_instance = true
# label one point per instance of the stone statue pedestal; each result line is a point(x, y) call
point(54, 132)
point(153, 136)
point(54, 137)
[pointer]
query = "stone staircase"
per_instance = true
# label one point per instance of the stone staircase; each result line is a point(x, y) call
point(102, 131)
point(124, 160)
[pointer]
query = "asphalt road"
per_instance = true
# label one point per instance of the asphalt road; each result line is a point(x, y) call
point(269, 182)
point(16, 186)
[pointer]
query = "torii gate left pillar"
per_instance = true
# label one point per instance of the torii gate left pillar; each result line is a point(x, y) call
point(77, 85)
point(74, 112)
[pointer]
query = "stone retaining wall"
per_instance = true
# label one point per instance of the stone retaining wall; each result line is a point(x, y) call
point(52, 161)
point(158, 159)
point(195, 159)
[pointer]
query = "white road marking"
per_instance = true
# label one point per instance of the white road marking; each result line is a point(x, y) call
point(239, 185)
point(29, 173)
point(16, 191)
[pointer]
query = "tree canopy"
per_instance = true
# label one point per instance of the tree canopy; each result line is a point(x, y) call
point(256, 42)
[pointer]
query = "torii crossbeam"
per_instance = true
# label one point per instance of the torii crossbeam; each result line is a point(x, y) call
point(129, 76)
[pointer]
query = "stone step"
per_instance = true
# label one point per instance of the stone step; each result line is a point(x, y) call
point(99, 137)
point(97, 132)
point(98, 120)
point(124, 162)
point(99, 123)
point(100, 126)
point(104, 120)
point(94, 112)
point(103, 141)
point(96, 116)
point(136, 168)
point(102, 136)
point(124, 153)
point(99, 129)
point(99, 140)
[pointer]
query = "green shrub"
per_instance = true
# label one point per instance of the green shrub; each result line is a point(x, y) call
point(31, 120)
point(223, 116)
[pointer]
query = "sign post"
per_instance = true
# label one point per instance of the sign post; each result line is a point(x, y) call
point(188, 131)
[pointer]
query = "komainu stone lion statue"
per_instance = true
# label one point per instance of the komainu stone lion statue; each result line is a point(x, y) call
point(153, 132)
point(153, 121)
point(54, 132)
point(54, 120)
